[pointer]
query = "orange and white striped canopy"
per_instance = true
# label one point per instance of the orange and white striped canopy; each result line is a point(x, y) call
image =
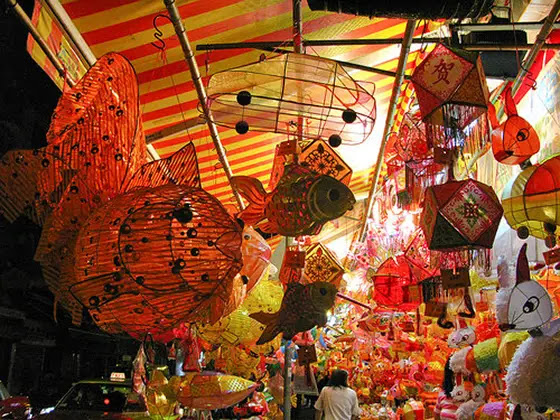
point(167, 92)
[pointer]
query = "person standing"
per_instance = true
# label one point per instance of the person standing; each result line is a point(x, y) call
point(337, 401)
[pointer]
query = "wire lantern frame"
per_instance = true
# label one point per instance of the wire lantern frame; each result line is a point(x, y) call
point(281, 93)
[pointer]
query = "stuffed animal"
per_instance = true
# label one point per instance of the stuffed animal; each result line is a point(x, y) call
point(467, 409)
point(532, 378)
point(463, 335)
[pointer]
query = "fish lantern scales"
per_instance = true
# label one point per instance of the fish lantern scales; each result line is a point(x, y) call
point(274, 94)
point(460, 214)
point(450, 87)
point(531, 201)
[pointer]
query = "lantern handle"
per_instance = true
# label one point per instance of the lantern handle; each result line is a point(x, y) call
point(510, 107)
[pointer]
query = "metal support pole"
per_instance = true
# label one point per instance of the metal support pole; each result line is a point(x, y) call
point(73, 33)
point(520, 26)
point(287, 381)
point(201, 92)
point(547, 26)
point(273, 45)
point(12, 368)
point(20, 13)
point(409, 33)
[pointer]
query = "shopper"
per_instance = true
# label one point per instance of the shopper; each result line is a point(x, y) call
point(337, 401)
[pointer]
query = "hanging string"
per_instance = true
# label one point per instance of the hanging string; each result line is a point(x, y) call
point(528, 73)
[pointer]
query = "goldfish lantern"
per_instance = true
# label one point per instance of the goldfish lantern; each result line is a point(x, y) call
point(515, 140)
point(142, 247)
point(213, 390)
point(395, 286)
point(161, 395)
point(300, 204)
point(451, 88)
point(271, 94)
point(95, 142)
point(531, 201)
point(303, 307)
point(322, 265)
point(460, 214)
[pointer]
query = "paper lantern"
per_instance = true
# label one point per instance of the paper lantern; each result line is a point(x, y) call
point(321, 265)
point(278, 93)
point(391, 285)
point(95, 143)
point(460, 214)
point(213, 390)
point(515, 140)
point(319, 157)
point(531, 200)
point(450, 87)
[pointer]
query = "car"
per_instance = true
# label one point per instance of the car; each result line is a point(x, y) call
point(13, 407)
point(98, 399)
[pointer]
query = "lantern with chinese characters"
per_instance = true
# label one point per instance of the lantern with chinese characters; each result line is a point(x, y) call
point(531, 201)
point(451, 88)
point(322, 265)
point(515, 140)
point(395, 286)
point(460, 214)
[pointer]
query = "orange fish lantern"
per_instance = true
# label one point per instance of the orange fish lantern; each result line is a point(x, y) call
point(460, 214)
point(213, 390)
point(531, 201)
point(515, 140)
point(143, 248)
point(300, 204)
point(395, 285)
point(95, 143)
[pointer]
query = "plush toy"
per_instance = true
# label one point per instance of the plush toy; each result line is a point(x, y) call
point(532, 376)
point(467, 409)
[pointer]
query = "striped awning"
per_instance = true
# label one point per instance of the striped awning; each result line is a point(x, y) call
point(167, 92)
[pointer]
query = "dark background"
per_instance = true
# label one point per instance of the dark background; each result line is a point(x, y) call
point(38, 356)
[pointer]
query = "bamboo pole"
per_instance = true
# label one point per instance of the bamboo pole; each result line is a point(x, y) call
point(201, 92)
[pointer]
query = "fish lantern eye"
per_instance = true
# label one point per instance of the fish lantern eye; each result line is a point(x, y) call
point(334, 195)
point(323, 291)
point(531, 305)
point(246, 237)
point(522, 134)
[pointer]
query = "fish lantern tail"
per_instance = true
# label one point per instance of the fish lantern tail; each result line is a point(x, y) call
point(253, 191)
point(272, 327)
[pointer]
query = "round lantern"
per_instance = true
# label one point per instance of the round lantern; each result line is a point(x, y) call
point(531, 200)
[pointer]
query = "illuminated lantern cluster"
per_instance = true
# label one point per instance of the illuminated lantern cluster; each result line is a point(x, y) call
point(460, 214)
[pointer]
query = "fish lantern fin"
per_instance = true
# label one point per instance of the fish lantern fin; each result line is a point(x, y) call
point(523, 273)
point(181, 168)
point(510, 107)
point(253, 191)
point(272, 328)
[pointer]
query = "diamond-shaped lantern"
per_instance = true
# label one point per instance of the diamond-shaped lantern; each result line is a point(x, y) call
point(450, 87)
point(320, 157)
point(461, 214)
point(322, 265)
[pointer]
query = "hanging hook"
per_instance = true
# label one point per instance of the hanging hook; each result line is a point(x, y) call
point(158, 33)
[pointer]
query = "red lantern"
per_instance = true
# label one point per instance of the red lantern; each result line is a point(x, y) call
point(515, 140)
point(450, 85)
point(392, 285)
point(460, 214)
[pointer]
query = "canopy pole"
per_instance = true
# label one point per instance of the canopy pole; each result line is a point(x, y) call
point(20, 13)
point(546, 28)
point(73, 33)
point(201, 92)
point(403, 59)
